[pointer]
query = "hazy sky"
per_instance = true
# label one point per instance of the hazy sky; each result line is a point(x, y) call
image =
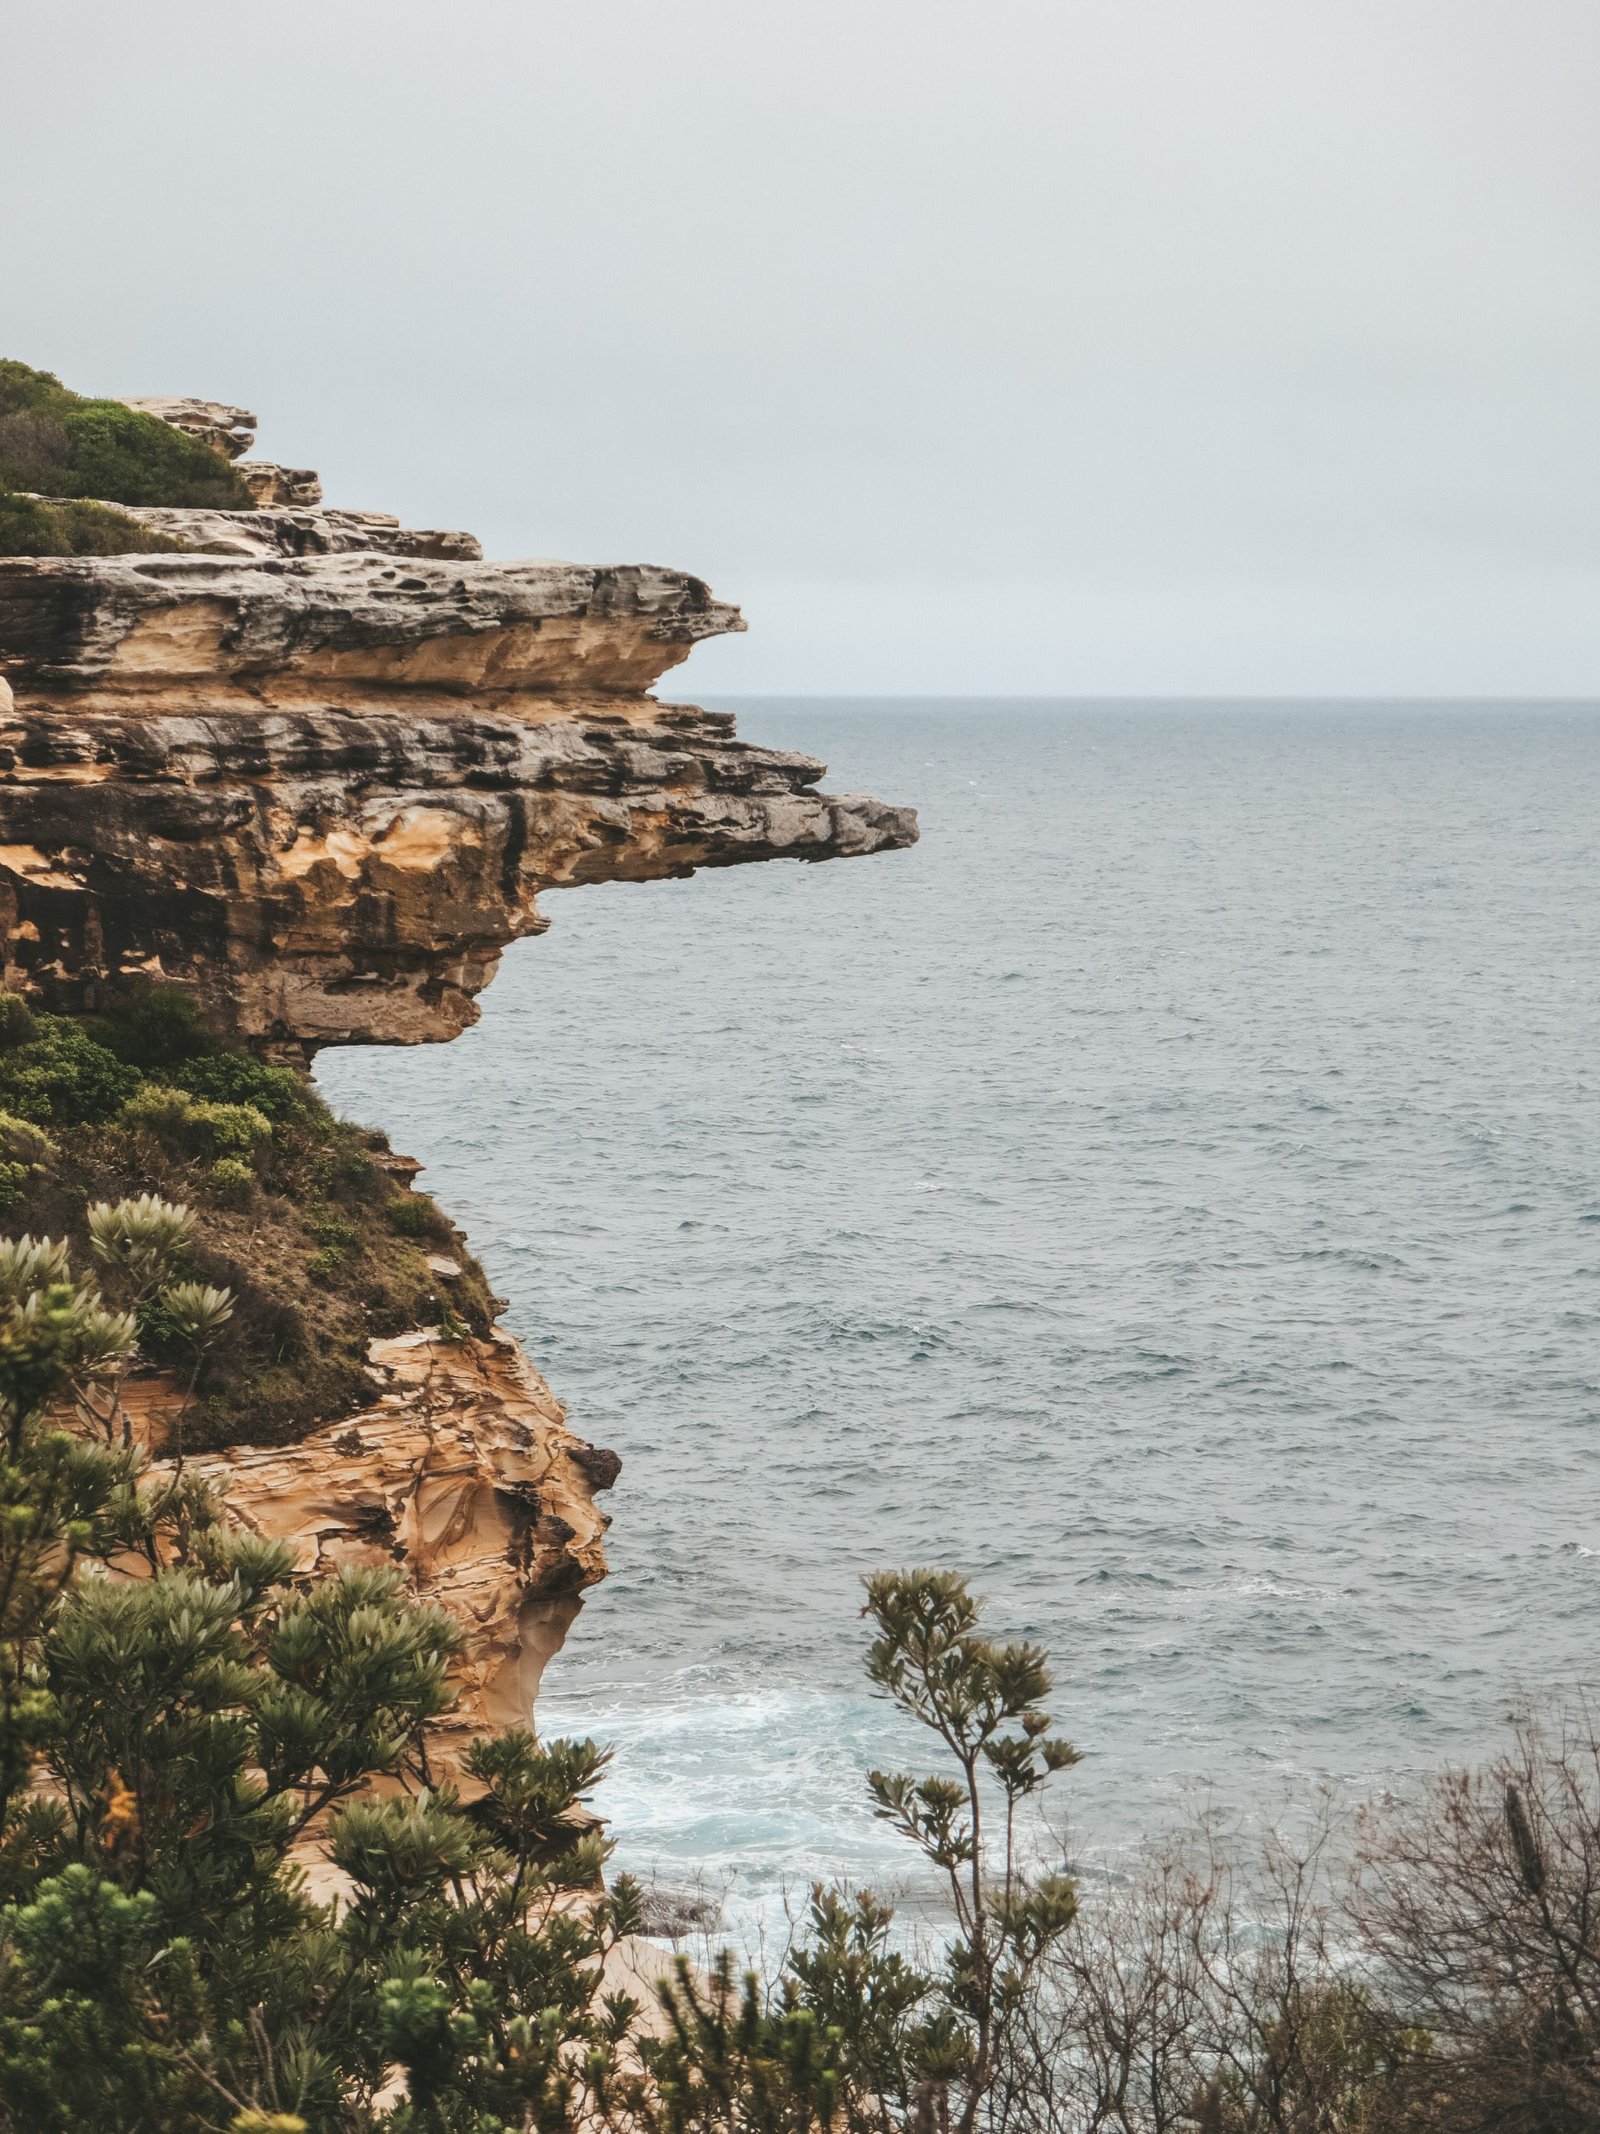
point(1058, 346)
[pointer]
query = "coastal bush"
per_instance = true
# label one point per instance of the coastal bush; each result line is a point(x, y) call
point(17, 1024)
point(277, 1093)
point(23, 1147)
point(57, 1074)
point(195, 1126)
point(57, 443)
point(416, 1215)
point(177, 1750)
point(232, 1181)
point(37, 526)
point(172, 1746)
point(290, 1203)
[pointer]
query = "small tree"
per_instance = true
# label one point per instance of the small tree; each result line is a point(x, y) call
point(984, 1701)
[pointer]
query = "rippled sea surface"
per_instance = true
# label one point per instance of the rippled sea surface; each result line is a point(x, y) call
point(1170, 1194)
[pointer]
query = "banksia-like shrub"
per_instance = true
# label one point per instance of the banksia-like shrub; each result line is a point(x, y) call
point(145, 1238)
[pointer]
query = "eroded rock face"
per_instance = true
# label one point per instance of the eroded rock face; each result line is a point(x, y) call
point(269, 483)
point(463, 1475)
point(228, 431)
point(297, 530)
point(326, 792)
point(202, 629)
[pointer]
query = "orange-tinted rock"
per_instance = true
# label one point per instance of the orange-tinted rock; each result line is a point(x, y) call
point(464, 1476)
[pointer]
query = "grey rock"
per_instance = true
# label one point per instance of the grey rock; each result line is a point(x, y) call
point(325, 792)
point(304, 531)
point(269, 483)
point(230, 431)
point(69, 622)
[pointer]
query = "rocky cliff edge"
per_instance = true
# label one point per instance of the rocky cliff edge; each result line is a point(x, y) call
point(316, 772)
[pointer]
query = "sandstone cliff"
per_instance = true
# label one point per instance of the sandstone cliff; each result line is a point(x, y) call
point(464, 1472)
point(316, 774)
point(325, 791)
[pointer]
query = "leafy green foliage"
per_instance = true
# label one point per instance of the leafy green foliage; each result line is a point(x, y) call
point(232, 1181)
point(17, 1024)
point(59, 444)
point(192, 1126)
point(414, 1215)
point(984, 1702)
point(22, 1148)
point(163, 1964)
point(177, 1749)
point(60, 1075)
point(235, 1078)
point(729, 2059)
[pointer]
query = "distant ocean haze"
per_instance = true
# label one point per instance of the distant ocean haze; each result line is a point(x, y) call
point(1170, 1195)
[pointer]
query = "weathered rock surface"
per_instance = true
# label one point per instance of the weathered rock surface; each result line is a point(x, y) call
point(269, 483)
point(191, 626)
point(300, 530)
point(463, 1474)
point(326, 792)
point(230, 431)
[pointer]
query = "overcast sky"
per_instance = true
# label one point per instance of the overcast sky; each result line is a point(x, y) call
point(1072, 347)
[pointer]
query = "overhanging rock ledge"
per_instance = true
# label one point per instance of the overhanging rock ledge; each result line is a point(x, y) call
point(324, 791)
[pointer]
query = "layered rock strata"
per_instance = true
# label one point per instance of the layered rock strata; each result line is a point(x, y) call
point(282, 528)
point(320, 780)
point(326, 792)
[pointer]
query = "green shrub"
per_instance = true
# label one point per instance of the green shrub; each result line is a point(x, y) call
point(22, 1148)
point(236, 1078)
point(62, 1077)
point(158, 1027)
point(163, 1031)
point(339, 1243)
point(232, 1182)
point(291, 1205)
point(236, 1129)
point(22, 1141)
point(187, 1127)
point(29, 526)
point(17, 1023)
point(414, 1215)
point(60, 444)
point(165, 1113)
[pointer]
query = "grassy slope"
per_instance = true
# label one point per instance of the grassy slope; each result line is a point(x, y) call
point(296, 1213)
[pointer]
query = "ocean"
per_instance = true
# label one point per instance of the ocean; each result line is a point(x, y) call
point(1169, 1195)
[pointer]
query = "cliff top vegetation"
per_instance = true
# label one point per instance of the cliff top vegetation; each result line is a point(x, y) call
point(65, 460)
point(55, 442)
point(72, 526)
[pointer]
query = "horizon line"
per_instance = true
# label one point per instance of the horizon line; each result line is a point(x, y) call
point(1040, 696)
